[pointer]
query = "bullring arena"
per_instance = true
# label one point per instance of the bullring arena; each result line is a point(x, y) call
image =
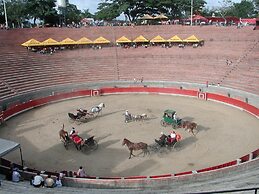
point(174, 78)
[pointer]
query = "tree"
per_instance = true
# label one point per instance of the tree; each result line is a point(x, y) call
point(16, 11)
point(2, 19)
point(86, 14)
point(73, 15)
point(136, 8)
point(107, 11)
point(42, 9)
point(244, 9)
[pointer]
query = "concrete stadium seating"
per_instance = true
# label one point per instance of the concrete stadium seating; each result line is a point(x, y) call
point(25, 71)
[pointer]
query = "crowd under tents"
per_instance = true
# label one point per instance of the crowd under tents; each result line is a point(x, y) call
point(193, 40)
point(50, 45)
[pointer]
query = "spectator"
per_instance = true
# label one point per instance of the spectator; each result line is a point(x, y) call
point(49, 182)
point(81, 172)
point(58, 182)
point(38, 181)
point(16, 177)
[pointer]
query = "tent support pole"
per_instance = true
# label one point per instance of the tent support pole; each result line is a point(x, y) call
point(21, 157)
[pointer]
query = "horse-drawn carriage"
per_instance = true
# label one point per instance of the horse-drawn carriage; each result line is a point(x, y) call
point(131, 117)
point(84, 116)
point(88, 144)
point(169, 141)
point(169, 118)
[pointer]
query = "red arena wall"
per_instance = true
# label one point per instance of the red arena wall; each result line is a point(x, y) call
point(140, 180)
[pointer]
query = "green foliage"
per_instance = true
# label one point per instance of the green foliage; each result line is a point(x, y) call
point(137, 8)
point(2, 19)
point(41, 9)
point(86, 14)
point(107, 11)
point(244, 9)
point(73, 15)
point(16, 11)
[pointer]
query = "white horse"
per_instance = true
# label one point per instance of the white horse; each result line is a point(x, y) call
point(140, 117)
point(98, 108)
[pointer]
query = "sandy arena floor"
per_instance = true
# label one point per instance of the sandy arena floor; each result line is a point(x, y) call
point(224, 134)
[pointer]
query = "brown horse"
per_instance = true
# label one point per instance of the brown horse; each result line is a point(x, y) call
point(135, 146)
point(190, 126)
point(63, 135)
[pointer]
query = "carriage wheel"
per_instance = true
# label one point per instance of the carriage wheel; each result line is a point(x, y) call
point(94, 146)
point(176, 146)
point(88, 148)
point(71, 120)
point(65, 145)
point(77, 121)
point(163, 123)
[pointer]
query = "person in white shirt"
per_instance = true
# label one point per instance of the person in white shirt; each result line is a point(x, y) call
point(173, 134)
point(127, 113)
point(175, 117)
point(81, 172)
point(58, 182)
point(16, 175)
point(128, 116)
point(38, 181)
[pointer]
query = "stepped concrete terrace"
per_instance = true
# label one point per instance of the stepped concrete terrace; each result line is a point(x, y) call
point(24, 71)
point(242, 177)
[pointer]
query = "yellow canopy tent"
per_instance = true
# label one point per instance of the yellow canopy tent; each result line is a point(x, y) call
point(161, 17)
point(175, 39)
point(68, 41)
point(101, 40)
point(141, 39)
point(158, 39)
point(84, 40)
point(147, 17)
point(192, 39)
point(50, 42)
point(123, 39)
point(31, 43)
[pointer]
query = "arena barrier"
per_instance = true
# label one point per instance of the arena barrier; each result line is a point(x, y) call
point(142, 181)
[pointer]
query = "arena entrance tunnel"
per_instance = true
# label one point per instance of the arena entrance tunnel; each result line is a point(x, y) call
point(142, 181)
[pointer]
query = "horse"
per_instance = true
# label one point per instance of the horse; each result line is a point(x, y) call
point(63, 135)
point(98, 108)
point(135, 146)
point(190, 126)
point(140, 117)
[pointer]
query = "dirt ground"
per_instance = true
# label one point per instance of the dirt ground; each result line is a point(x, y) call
point(224, 134)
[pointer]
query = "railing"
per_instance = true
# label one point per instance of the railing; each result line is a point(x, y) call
point(230, 191)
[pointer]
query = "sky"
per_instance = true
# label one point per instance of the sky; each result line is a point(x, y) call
point(92, 4)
